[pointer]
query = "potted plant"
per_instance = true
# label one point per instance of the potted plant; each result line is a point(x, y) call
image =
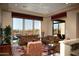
point(1, 36)
point(5, 37)
point(7, 34)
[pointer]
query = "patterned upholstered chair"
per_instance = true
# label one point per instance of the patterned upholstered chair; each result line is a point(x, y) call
point(34, 48)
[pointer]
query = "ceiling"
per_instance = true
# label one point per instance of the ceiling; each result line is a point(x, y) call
point(40, 8)
point(43, 8)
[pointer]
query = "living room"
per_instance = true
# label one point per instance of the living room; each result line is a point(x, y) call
point(30, 21)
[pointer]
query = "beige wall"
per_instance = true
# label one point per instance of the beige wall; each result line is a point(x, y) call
point(72, 28)
point(46, 26)
point(71, 25)
point(49, 27)
point(6, 18)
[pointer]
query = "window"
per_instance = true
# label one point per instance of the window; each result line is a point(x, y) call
point(26, 26)
point(37, 27)
point(58, 27)
point(17, 25)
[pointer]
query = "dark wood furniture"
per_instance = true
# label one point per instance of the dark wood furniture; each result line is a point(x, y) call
point(5, 50)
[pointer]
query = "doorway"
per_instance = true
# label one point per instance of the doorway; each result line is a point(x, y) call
point(59, 28)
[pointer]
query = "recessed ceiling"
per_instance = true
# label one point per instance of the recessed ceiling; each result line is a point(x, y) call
point(43, 8)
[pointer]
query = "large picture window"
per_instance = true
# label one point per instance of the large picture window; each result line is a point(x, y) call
point(26, 26)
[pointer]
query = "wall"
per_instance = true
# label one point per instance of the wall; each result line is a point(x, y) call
point(6, 18)
point(46, 26)
point(49, 27)
point(72, 27)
